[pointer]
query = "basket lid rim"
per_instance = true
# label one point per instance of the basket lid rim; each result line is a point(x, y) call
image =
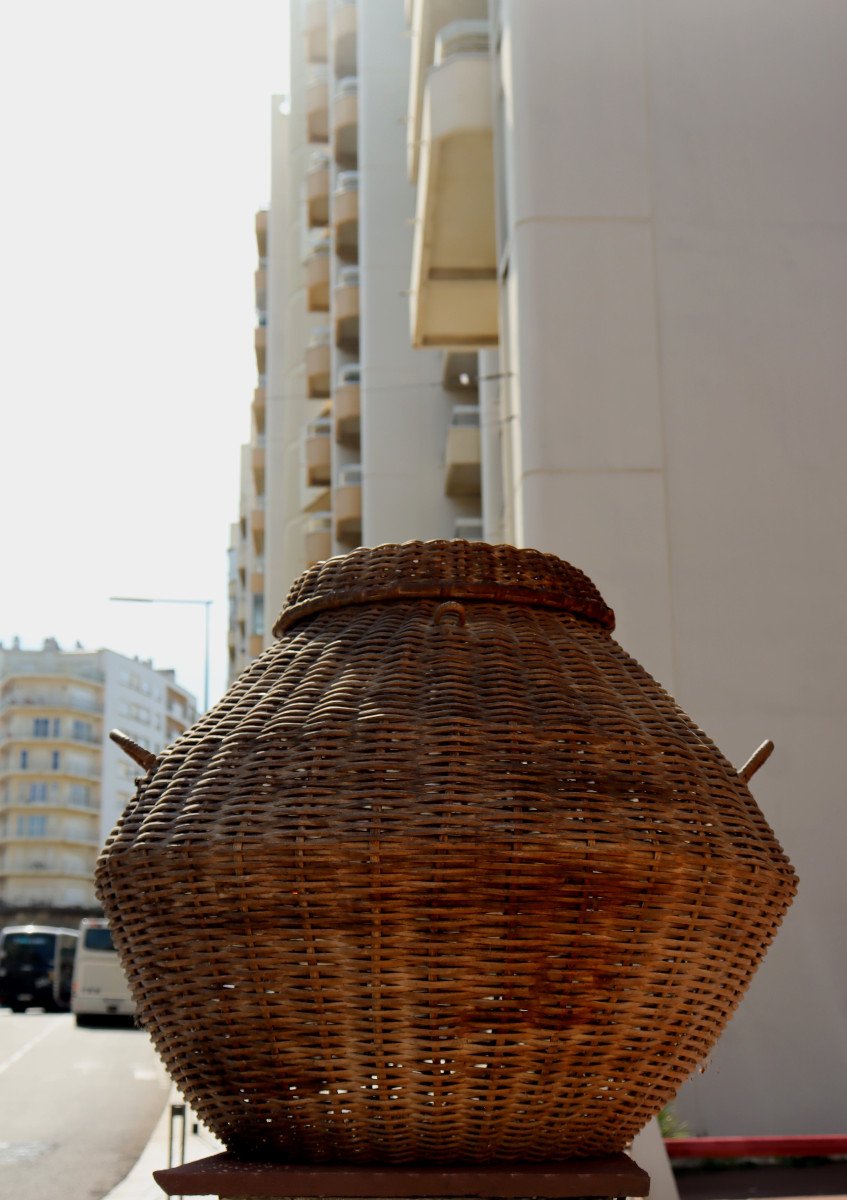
point(441, 570)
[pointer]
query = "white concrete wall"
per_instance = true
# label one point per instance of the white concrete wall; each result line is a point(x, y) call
point(405, 411)
point(676, 241)
point(134, 701)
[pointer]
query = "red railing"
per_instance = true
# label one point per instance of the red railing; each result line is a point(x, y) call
point(824, 1145)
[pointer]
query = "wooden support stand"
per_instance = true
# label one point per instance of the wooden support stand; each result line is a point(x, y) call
point(232, 1178)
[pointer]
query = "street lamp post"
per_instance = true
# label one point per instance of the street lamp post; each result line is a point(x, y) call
point(207, 604)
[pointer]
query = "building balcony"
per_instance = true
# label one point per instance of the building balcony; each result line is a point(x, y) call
point(317, 192)
point(460, 372)
point(258, 409)
point(317, 538)
point(318, 452)
point(50, 868)
point(344, 24)
point(347, 505)
point(345, 123)
point(317, 278)
point(260, 343)
point(469, 529)
point(257, 528)
point(426, 19)
point(316, 500)
point(317, 111)
point(345, 310)
point(62, 805)
point(262, 232)
point(454, 293)
point(257, 465)
point(260, 286)
point(345, 216)
point(315, 31)
point(346, 406)
point(56, 701)
point(318, 362)
point(462, 457)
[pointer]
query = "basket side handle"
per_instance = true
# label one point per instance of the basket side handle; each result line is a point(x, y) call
point(145, 758)
point(757, 760)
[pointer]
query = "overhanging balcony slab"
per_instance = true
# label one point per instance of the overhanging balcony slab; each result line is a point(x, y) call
point(259, 409)
point(462, 461)
point(318, 370)
point(260, 342)
point(345, 130)
point(315, 31)
point(344, 22)
point(317, 282)
point(262, 232)
point(347, 508)
point(317, 196)
point(346, 404)
point(317, 112)
point(318, 460)
point(345, 221)
point(346, 313)
point(454, 294)
point(260, 280)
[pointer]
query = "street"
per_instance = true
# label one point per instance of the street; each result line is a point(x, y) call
point(76, 1105)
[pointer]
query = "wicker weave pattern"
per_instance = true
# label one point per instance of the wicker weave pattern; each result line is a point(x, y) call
point(445, 882)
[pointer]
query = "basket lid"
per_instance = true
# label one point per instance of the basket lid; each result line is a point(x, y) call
point(442, 570)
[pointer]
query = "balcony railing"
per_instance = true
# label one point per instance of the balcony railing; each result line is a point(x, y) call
point(350, 475)
point(317, 191)
point(318, 452)
point(315, 31)
point(462, 457)
point(345, 216)
point(317, 109)
point(346, 405)
point(345, 122)
point(346, 310)
point(318, 362)
point(317, 537)
point(347, 504)
point(427, 19)
point(344, 21)
point(262, 232)
point(454, 293)
point(317, 276)
point(468, 528)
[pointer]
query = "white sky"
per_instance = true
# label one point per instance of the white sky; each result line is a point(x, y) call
point(134, 152)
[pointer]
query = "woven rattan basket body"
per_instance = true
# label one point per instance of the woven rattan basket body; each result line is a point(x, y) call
point(444, 877)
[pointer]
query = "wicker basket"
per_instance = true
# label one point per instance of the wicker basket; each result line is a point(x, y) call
point(445, 876)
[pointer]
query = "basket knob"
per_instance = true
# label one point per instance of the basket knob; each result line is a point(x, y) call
point(450, 608)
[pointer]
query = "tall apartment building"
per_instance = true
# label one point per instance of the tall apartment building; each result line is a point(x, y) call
point(572, 274)
point(63, 783)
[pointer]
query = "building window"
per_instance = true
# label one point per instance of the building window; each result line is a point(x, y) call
point(79, 795)
point(24, 759)
point(38, 793)
point(41, 727)
point(57, 726)
point(82, 731)
point(54, 760)
point(32, 826)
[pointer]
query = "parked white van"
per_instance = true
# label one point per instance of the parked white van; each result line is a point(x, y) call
point(99, 986)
